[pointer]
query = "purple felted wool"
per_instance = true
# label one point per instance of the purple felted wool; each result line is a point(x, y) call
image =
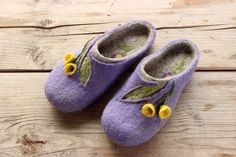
point(159, 79)
point(104, 58)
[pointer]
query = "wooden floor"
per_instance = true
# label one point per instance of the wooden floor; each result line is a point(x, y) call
point(34, 36)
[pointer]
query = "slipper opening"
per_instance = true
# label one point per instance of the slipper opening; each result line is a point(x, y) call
point(171, 62)
point(124, 42)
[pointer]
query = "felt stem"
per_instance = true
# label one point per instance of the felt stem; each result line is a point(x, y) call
point(165, 96)
point(82, 52)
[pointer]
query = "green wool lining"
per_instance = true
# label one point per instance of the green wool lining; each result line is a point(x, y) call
point(126, 47)
point(179, 67)
point(141, 92)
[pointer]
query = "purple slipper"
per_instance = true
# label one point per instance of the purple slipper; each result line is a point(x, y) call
point(81, 78)
point(145, 102)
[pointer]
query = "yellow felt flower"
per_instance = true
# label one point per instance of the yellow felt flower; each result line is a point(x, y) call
point(69, 57)
point(148, 110)
point(70, 68)
point(164, 111)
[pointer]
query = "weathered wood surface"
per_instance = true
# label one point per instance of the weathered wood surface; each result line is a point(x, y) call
point(203, 124)
point(34, 36)
point(42, 52)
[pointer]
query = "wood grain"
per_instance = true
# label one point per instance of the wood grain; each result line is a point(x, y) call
point(30, 50)
point(35, 34)
point(169, 13)
point(203, 124)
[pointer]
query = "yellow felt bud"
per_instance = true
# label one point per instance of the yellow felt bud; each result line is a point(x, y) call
point(148, 110)
point(69, 57)
point(70, 68)
point(164, 112)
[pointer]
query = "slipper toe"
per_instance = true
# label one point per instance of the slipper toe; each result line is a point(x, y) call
point(62, 91)
point(126, 126)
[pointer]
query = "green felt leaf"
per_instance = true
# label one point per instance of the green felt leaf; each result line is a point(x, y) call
point(85, 70)
point(141, 92)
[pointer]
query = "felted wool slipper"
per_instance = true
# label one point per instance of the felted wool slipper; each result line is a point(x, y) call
point(82, 77)
point(145, 102)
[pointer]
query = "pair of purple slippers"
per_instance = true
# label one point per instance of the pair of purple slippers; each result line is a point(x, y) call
point(146, 100)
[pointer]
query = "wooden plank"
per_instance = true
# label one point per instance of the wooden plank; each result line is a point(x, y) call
point(168, 13)
point(33, 49)
point(34, 35)
point(203, 124)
